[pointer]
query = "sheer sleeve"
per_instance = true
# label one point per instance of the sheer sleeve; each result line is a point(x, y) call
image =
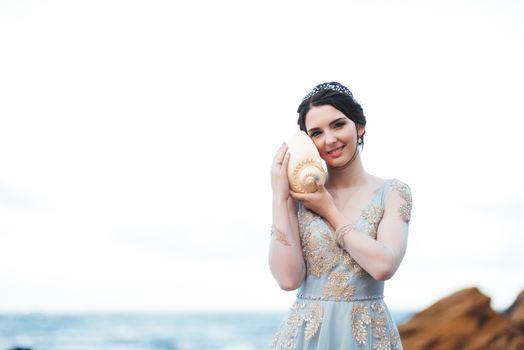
point(403, 191)
point(380, 253)
point(393, 228)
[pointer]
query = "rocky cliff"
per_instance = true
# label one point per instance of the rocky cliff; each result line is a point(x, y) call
point(465, 321)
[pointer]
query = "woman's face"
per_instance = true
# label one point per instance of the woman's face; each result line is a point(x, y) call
point(334, 134)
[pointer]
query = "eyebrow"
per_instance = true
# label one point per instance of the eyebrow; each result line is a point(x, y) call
point(333, 122)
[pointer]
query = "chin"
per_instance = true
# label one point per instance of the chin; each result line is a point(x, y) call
point(336, 162)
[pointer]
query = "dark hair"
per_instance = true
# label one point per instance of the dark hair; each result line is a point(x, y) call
point(336, 95)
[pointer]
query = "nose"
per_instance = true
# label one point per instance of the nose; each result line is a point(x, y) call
point(330, 138)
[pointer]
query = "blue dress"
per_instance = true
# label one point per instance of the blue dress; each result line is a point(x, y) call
point(339, 305)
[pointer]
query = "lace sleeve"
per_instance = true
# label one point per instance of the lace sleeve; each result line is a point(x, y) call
point(405, 193)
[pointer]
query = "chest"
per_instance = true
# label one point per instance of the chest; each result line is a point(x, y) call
point(367, 222)
point(358, 204)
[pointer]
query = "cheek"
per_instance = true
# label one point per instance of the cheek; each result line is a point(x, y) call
point(348, 134)
point(317, 145)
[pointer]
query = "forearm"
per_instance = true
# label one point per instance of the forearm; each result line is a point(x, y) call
point(377, 258)
point(285, 254)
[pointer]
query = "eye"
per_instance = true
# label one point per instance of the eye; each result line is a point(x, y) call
point(338, 125)
point(315, 133)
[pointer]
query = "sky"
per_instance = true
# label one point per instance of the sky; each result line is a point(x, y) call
point(136, 139)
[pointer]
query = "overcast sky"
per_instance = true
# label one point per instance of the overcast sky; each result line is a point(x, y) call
point(136, 139)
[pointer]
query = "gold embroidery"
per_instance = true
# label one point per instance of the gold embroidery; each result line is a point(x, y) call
point(394, 339)
point(378, 329)
point(319, 260)
point(299, 313)
point(359, 319)
point(277, 338)
point(352, 265)
point(373, 215)
point(294, 321)
point(321, 252)
point(338, 287)
point(287, 331)
point(332, 246)
point(305, 219)
point(377, 306)
point(405, 193)
point(313, 318)
point(279, 236)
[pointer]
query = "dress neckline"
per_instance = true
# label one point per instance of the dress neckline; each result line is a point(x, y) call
point(361, 214)
point(379, 191)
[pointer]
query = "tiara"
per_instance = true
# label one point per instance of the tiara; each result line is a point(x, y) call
point(329, 86)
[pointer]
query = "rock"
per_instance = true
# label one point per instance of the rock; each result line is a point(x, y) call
point(515, 312)
point(465, 320)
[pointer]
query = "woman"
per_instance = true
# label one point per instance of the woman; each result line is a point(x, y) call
point(340, 243)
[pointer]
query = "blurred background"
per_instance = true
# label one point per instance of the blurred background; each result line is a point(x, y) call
point(136, 140)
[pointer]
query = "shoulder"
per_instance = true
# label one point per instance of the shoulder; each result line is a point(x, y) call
point(399, 196)
point(376, 183)
point(401, 188)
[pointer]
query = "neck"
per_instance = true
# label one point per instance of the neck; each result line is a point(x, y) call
point(351, 176)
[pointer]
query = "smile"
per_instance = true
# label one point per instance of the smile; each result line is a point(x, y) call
point(335, 150)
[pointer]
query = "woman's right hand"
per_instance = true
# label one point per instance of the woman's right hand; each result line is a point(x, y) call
point(279, 179)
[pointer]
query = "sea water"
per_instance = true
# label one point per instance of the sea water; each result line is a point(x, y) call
point(187, 331)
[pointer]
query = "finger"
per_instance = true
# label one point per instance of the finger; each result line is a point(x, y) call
point(285, 162)
point(319, 183)
point(279, 150)
point(297, 196)
point(280, 153)
point(283, 154)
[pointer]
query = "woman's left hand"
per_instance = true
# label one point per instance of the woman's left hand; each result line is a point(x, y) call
point(320, 201)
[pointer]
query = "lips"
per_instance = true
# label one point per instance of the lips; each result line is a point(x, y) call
point(335, 149)
point(335, 152)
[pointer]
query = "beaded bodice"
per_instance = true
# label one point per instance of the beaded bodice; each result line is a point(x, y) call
point(339, 304)
point(332, 273)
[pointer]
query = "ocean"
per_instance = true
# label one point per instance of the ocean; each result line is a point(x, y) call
point(189, 331)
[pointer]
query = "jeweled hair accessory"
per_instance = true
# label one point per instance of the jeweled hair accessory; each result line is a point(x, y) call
point(329, 86)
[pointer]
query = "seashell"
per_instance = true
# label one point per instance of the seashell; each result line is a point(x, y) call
point(304, 164)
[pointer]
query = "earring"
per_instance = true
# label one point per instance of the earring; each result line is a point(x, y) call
point(360, 140)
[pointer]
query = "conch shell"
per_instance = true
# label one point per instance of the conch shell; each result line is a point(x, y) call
point(304, 164)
